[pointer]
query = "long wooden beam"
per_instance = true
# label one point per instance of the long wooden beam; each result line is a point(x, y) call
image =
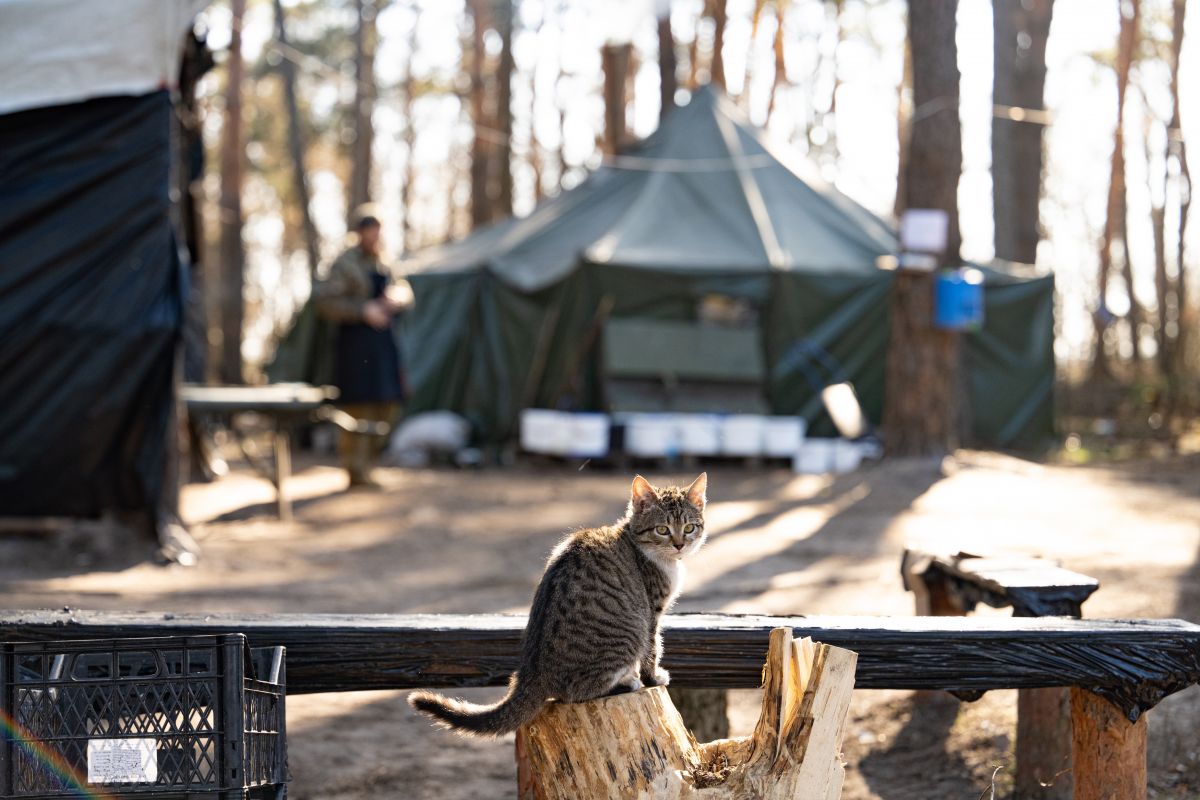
point(1133, 663)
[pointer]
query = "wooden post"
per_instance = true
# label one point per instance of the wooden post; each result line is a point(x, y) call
point(636, 745)
point(283, 469)
point(1043, 748)
point(1108, 751)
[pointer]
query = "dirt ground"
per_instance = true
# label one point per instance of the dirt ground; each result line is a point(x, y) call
point(453, 541)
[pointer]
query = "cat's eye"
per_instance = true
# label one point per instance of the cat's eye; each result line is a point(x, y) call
point(689, 528)
point(663, 530)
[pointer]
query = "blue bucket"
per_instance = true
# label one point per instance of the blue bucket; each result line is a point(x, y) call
point(958, 299)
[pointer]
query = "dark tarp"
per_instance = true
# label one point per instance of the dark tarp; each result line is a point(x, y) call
point(1010, 363)
point(508, 318)
point(90, 306)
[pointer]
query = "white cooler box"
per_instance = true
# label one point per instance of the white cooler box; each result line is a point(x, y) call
point(743, 435)
point(651, 435)
point(561, 433)
point(545, 431)
point(824, 456)
point(589, 435)
point(783, 436)
point(699, 434)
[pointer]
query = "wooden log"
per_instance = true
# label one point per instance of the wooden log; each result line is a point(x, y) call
point(636, 745)
point(1043, 747)
point(1133, 662)
point(1107, 750)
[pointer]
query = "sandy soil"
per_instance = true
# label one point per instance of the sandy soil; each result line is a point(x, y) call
point(448, 541)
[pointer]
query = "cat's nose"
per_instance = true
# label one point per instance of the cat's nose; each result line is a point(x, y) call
point(678, 545)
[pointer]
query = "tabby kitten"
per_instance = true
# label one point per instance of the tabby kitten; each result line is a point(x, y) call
point(593, 626)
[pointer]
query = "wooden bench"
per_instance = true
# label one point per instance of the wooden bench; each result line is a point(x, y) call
point(287, 405)
point(1117, 669)
point(953, 584)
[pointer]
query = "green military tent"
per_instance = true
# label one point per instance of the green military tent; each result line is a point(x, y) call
point(511, 316)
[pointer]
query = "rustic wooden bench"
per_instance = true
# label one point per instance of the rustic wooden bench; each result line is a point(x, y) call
point(1117, 669)
point(286, 405)
point(953, 584)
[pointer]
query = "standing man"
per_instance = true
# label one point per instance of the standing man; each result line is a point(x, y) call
point(362, 299)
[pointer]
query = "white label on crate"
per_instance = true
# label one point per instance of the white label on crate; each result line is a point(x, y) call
point(122, 760)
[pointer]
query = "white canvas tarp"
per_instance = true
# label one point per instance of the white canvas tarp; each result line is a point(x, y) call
point(63, 51)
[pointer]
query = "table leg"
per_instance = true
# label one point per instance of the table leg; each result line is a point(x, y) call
point(283, 470)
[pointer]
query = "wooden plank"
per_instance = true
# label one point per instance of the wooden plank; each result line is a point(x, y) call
point(1107, 750)
point(274, 398)
point(1135, 663)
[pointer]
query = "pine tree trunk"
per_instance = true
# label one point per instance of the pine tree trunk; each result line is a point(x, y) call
point(407, 195)
point(1126, 43)
point(502, 151)
point(296, 149)
point(480, 151)
point(1178, 146)
point(1018, 80)
point(922, 408)
point(535, 145)
point(615, 60)
point(755, 21)
point(903, 120)
point(780, 77)
point(693, 50)
point(720, 15)
point(1162, 284)
point(232, 250)
point(1135, 316)
point(364, 103)
point(666, 67)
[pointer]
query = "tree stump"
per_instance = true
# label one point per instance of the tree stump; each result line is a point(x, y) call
point(636, 745)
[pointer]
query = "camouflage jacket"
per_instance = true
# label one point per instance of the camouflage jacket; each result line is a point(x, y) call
point(340, 295)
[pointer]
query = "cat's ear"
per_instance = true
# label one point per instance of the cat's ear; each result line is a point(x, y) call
point(643, 494)
point(697, 493)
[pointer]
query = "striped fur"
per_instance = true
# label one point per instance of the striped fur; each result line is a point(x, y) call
point(593, 625)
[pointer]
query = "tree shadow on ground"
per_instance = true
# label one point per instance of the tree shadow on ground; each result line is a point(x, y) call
point(918, 762)
point(859, 509)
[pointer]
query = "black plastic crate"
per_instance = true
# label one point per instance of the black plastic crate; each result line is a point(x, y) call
point(175, 718)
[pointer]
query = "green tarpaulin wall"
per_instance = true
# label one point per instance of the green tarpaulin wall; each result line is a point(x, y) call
point(507, 318)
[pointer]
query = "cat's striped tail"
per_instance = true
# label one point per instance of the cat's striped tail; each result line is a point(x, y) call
point(520, 705)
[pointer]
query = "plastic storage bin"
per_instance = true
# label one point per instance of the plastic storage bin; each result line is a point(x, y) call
point(589, 435)
point(174, 718)
point(651, 435)
point(824, 456)
point(742, 435)
point(699, 434)
point(783, 436)
point(545, 431)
